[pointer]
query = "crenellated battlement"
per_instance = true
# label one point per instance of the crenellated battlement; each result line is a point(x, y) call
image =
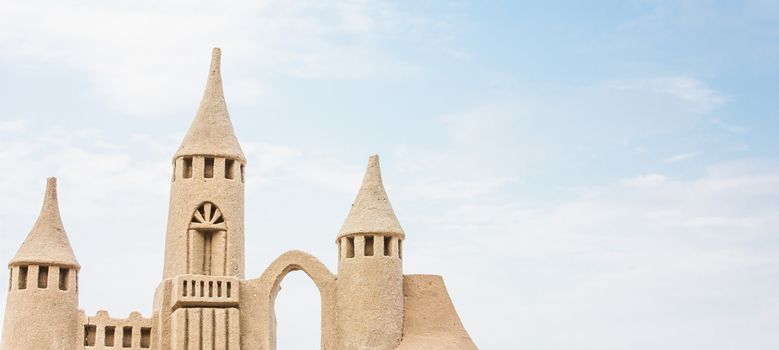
point(101, 332)
point(208, 167)
point(38, 277)
point(370, 245)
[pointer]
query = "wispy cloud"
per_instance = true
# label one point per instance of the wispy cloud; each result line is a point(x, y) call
point(681, 157)
point(697, 95)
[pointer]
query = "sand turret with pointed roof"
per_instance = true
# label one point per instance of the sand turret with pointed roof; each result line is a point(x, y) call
point(212, 132)
point(371, 211)
point(47, 242)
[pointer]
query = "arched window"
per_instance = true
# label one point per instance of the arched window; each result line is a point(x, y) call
point(207, 251)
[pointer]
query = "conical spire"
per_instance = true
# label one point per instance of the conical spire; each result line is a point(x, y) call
point(371, 211)
point(212, 132)
point(47, 242)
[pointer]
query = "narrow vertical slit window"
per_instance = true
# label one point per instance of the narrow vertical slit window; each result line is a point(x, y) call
point(184, 289)
point(369, 245)
point(145, 337)
point(242, 180)
point(229, 168)
point(387, 245)
point(208, 169)
point(207, 240)
point(229, 288)
point(350, 247)
point(218, 289)
point(43, 277)
point(187, 171)
point(127, 337)
point(64, 278)
point(110, 335)
point(90, 334)
point(22, 277)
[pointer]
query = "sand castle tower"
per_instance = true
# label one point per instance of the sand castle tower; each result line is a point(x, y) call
point(205, 222)
point(204, 248)
point(42, 308)
point(369, 299)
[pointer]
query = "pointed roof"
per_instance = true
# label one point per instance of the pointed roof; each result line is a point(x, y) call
point(371, 211)
point(47, 242)
point(212, 132)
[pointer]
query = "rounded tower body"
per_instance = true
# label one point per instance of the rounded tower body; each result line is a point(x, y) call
point(42, 307)
point(369, 297)
point(205, 219)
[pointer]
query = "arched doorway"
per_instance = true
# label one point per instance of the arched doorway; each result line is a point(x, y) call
point(298, 313)
point(259, 311)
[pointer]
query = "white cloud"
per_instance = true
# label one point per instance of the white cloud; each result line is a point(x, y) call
point(139, 56)
point(12, 126)
point(649, 254)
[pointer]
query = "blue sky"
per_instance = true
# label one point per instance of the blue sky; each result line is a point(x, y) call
point(586, 175)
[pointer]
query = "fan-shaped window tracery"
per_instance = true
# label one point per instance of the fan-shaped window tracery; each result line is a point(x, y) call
point(207, 249)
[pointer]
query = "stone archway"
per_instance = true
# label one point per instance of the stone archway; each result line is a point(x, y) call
point(258, 318)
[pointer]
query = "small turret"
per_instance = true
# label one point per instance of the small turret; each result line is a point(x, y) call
point(369, 297)
point(42, 307)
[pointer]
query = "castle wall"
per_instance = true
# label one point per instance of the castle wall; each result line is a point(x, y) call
point(101, 332)
point(431, 322)
point(258, 317)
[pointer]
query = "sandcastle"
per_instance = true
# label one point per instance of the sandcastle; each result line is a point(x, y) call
point(204, 301)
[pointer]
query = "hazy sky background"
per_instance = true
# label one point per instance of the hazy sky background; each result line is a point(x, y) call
point(585, 175)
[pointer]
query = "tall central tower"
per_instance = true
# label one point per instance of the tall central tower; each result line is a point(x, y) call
point(198, 300)
point(205, 222)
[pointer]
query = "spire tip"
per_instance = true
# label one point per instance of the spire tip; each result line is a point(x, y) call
point(51, 189)
point(216, 57)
